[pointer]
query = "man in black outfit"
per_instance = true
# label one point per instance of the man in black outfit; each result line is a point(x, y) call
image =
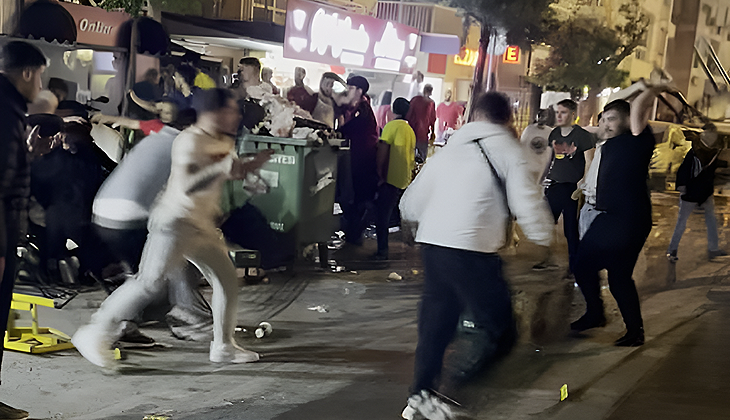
point(616, 219)
point(20, 83)
point(569, 142)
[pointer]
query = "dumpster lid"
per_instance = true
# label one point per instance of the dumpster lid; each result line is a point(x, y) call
point(278, 140)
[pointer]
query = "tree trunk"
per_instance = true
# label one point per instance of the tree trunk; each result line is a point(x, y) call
point(477, 85)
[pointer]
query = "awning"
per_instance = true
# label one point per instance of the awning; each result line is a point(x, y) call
point(440, 43)
point(193, 26)
point(152, 36)
point(45, 19)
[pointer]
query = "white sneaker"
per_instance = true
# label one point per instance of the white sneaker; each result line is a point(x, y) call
point(231, 353)
point(94, 345)
point(427, 406)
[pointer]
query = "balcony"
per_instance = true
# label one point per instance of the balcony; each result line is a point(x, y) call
point(417, 15)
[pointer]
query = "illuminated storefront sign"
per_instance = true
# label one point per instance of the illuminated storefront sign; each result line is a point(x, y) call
point(466, 57)
point(94, 25)
point(511, 55)
point(324, 34)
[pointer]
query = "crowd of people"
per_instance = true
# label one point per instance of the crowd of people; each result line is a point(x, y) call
point(157, 213)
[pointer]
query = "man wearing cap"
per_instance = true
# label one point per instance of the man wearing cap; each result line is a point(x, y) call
point(362, 130)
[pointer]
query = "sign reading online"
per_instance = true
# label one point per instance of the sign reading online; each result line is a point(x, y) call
point(94, 25)
point(324, 34)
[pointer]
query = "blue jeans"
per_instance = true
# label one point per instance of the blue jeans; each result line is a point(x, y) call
point(459, 281)
point(685, 209)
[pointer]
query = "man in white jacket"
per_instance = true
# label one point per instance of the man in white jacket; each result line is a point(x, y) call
point(183, 228)
point(458, 203)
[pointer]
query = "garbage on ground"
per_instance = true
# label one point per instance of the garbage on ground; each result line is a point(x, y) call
point(395, 276)
point(414, 271)
point(337, 269)
point(319, 308)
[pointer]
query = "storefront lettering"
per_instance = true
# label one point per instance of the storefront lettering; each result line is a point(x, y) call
point(100, 27)
point(321, 33)
point(283, 159)
point(331, 31)
point(467, 57)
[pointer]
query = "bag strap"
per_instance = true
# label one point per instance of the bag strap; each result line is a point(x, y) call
point(500, 181)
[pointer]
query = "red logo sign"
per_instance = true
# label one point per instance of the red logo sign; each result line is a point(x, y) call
point(512, 55)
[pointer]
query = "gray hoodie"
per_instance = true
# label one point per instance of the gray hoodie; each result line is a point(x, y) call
point(456, 201)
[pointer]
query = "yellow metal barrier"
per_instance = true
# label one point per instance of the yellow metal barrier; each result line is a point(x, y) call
point(34, 339)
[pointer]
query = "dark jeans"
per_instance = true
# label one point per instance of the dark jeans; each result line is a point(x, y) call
point(558, 196)
point(614, 246)
point(12, 228)
point(385, 203)
point(118, 245)
point(458, 281)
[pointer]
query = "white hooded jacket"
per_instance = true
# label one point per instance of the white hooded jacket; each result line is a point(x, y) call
point(456, 201)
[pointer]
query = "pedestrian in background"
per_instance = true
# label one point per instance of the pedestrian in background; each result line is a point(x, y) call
point(422, 118)
point(535, 142)
point(696, 183)
point(20, 83)
point(395, 162)
point(616, 217)
point(461, 223)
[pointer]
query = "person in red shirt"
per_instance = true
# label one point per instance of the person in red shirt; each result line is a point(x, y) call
point(422, 118)
point(447, 114)
point(300, 93)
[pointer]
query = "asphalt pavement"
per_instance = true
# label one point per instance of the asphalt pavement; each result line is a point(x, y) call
point(343, 343)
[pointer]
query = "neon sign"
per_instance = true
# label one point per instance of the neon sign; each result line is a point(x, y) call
point(511, 55)
point(324, 34)
point(466, 57)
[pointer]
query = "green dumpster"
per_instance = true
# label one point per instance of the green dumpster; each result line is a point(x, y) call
point(301, 178)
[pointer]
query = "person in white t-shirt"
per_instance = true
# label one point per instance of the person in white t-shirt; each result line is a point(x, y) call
point(534, 140)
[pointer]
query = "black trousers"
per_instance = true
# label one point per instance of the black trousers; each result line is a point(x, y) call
point(558, 196)
point(459, 281)
point(385, 203)
point(12, 225)
point(614, 245)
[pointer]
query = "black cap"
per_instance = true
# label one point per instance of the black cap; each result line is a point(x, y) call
point(359, 82)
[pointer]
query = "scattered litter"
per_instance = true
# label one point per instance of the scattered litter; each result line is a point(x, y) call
point(337, 269)
point(319, 308)
point(415, 272)
point(347, 291)
point(350, 282)
point(156, 417)
point(353, 272)
point(564, 392)
point(394, 276)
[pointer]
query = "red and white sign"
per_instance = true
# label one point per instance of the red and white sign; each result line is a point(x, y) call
point(95, 26)
point(511, 55)
point(325, 34)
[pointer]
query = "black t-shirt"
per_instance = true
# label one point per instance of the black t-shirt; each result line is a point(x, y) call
point(566, 168)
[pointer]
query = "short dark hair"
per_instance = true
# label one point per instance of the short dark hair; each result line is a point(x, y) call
point(620, 106)
point(188, 73)
point(209, 100)
point(495, 106)
point(401, 106)
point(570, 104)
point(184, 118)
point(251, 61)
point(18, 55)
point(54, 83)
point(427, 88)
